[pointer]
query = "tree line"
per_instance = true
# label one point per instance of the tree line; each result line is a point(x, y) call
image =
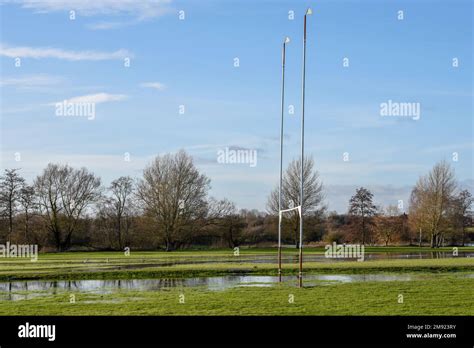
point(169, 208)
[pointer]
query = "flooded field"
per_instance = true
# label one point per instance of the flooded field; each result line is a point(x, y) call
point(271, 259)
point(367, 256)
point(24, 290)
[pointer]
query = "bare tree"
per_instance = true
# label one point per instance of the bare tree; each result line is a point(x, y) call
point(389, 224)
point(417, 216)
point(461, 212)
point(431, 200)
point(10, 191)
point(361, 207)
point(223, 215)
point(254, 222)
point(313, 194)
point(174, 194)
point(64, 194)
point(28, 204)
point(117, 210)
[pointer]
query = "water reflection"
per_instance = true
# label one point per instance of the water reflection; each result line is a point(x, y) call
point(265, 259)
point(381, 256)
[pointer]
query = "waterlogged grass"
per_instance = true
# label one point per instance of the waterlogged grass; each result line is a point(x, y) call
point(440, 287)
point(115, 265)
point(435, 294)
point(100, 271)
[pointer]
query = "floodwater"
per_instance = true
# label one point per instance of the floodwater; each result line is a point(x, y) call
point(268, 259)
point(407, 256)
point(271, 259)
point(24, 290)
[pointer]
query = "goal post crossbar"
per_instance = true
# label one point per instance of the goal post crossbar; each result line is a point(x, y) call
point(290, 209)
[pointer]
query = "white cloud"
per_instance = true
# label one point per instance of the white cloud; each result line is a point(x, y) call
point(106, 25)
point(156, 85)
point(94, 98)
point(18, 110)
point(332, 168)
point(141, 9)
point(338, 196)
point(30, 81)
point(449, 147)
point(108, 166)
point(58, 53)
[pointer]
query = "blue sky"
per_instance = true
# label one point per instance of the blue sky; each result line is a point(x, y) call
point(190, 62)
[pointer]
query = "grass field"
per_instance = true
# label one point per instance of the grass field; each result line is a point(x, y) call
point(442, 286)
point(115, 265)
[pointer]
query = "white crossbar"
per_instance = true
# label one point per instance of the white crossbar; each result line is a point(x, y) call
point(285, 210)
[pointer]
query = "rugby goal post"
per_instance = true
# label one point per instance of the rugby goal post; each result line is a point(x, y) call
point(299, 208)
point(280, 214)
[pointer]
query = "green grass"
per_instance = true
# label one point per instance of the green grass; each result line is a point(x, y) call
point(442, 294)
point(437, 289)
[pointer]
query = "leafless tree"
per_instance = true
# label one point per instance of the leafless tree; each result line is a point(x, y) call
point(116, 210)
point(64, 193)
point(461, 212)
point(223, 216)
point(389, 224)
point(418, 217)
point(313, 194)
point(174, 194)
point(28, 204)
point(431, 199)
point(10, 191)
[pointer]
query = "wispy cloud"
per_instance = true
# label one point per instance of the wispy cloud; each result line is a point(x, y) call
point(449, 147)
point(141, 9)
point(338, 196)
point(94, 98)
point(106, 25)
point(58, 53)
point(155, 85)
point(331, 168)
point(31, 81)
point(108, 166)
point(19, 110)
